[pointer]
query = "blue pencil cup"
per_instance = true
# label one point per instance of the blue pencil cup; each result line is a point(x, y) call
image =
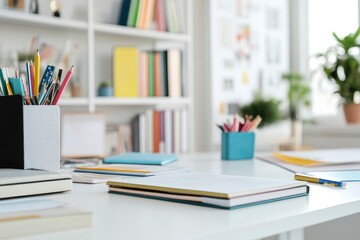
point(237, 145)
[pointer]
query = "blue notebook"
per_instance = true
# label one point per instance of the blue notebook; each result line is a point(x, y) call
point(142, 158)
point(341, 176)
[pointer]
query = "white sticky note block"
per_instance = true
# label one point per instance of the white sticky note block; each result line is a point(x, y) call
point(83, 135)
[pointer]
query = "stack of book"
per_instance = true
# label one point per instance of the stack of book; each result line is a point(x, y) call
point(162, 15)
point(160, 131)
point(147, 73)
point(211, 190)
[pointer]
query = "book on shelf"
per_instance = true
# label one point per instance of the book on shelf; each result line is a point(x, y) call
point(141, 73)
point(27, 216)
point(211, 190)
point(17, 182)
point(159, 132)
point(125, 71)
point(161, 15)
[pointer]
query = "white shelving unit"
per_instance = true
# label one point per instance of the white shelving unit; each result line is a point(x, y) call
point(95, 34)
point(12, 17)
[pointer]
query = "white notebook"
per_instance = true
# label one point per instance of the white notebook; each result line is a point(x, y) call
point(17, 182)
point(223, 191)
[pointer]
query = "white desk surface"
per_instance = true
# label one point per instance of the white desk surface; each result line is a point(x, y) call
point(124, 217)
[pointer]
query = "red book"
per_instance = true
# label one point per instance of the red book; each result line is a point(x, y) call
point(157, 74)
point(156, 131)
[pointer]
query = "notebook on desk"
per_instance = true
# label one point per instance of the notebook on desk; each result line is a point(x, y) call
point(219, 191)
point(341, 176)
point(130, 170)
point(296, 168)
point(27, 216)
point(320, 157)
point(142, 158)
point(17, 183)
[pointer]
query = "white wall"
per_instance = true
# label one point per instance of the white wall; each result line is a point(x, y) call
point(344, 228)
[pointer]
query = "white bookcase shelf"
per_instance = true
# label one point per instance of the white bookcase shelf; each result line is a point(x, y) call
point(97, 39)
point(77, 102)
point(135, 32)
point(156, 101)
point(29, 19)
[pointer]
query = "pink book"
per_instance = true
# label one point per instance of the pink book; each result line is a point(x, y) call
point(143, 86)
point(160, 15)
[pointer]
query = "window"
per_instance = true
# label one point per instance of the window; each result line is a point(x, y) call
point(326, 17)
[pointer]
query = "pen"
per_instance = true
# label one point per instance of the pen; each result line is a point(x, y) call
point(308, 178)
point(57, 86)
point(221, 127)
point(63, 85)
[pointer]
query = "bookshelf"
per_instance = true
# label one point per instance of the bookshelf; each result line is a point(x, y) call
point(97, 37)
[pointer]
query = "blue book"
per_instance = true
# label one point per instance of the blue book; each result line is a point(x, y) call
point(142, 158)
point(124, 12)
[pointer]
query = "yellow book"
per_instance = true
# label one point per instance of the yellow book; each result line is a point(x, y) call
point(126, 72)
point(320, 157)
point(130, 169)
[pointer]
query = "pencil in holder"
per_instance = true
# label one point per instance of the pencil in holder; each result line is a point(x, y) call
point(237, 145)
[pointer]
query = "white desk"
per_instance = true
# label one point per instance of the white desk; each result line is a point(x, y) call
point(125, 217)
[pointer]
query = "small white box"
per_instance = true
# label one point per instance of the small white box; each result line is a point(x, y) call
point(42, 138)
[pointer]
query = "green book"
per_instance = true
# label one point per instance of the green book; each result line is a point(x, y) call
point(133, 13)
point(151, 75)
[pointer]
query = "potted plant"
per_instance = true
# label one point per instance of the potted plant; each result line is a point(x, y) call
point(105, 90)
point(268, 109)
point(298, 97)
point(341, 65)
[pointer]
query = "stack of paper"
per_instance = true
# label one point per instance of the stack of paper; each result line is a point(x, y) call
point(210, 190)
point(23, 217)
point(316, 160)
point(320, 157)
point(92, 178)
point(131, 170)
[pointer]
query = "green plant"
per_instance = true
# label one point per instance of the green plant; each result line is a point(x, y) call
point(341, 65)
point(298, 94)
point(267, 109)
point(104, 84)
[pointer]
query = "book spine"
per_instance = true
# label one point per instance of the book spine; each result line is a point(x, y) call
point(124, 12)
point(151, 75)
point(157, 75)
point(133, 13)
point(168, 131)
point(174, 72)
point(125, 72)
point(156, 132)
point(143, 83)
